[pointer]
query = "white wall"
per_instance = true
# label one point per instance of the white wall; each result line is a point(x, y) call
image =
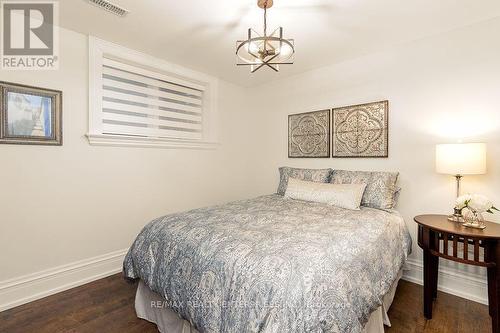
point(440, 89)
point(60, 205)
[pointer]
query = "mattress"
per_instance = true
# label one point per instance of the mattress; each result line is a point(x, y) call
point(272, 264)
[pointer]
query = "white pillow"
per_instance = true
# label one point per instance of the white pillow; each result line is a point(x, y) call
point(340, 195)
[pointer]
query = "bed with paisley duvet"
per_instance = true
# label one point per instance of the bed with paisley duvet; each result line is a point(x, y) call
point(274, 263)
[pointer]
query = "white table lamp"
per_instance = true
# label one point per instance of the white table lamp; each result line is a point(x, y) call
point(461, 159)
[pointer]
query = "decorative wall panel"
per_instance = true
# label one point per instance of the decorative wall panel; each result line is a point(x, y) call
point(361, 130)
point(309, 134)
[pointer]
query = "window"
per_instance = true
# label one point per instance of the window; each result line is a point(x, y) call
point(138, 100)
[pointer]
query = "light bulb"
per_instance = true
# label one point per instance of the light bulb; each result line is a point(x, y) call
point(253, 48)
point(285, 50)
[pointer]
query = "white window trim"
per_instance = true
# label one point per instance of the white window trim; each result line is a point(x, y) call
point(97, 50)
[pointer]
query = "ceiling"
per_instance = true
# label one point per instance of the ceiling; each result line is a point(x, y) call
point(201, 34)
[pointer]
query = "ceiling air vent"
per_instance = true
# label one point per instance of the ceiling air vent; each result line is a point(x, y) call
point(110, 7)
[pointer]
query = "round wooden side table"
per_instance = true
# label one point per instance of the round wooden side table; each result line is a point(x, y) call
point(439, 237)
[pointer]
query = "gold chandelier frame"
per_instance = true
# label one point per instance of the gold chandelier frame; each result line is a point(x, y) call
point(270, 51)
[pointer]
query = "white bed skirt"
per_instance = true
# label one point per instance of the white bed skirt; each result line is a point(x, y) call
point(150, 306)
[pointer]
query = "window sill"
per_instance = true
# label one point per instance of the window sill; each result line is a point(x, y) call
point(143, 142)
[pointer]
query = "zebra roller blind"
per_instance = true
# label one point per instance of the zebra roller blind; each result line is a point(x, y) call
point(144, 103)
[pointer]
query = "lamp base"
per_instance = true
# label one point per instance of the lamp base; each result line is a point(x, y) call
point(456, 216)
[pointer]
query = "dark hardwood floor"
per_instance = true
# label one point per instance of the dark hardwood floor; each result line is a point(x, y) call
point(107, 305)
point(451, 314)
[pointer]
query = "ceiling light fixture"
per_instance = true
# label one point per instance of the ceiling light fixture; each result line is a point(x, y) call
point(268, 50)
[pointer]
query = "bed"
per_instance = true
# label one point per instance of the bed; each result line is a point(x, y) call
point(269, 264)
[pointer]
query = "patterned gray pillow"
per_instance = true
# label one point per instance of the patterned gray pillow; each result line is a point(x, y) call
point(380, 190)
point(314, 175)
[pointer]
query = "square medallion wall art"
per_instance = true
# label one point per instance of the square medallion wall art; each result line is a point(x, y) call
point(309, 134)
point(30, 115)
point(361, 130)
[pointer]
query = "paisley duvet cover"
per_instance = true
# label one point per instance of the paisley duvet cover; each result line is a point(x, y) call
point(272, 264)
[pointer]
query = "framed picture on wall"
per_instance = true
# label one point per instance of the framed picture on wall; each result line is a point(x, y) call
point(30, 115)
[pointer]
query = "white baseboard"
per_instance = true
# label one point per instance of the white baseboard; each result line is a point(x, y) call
point(451, 281)
point(34, 286)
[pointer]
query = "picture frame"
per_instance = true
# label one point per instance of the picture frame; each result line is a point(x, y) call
point(361, 131)
point(309, 134)
point(30, 115)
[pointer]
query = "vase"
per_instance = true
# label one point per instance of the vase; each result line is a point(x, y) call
point(473, 218)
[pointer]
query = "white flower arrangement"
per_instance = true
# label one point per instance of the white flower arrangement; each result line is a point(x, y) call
point(477, 203)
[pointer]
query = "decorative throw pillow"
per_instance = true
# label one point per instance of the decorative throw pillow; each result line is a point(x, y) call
point(315, 175)
point(340, 195)
point(380, 189)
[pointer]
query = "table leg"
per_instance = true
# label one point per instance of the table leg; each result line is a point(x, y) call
point(435, 273)
point(491, 287)
point(428, 284)
point(428, 273)
point(494, 289)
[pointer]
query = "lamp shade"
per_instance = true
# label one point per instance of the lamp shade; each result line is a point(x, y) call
point(461, 158)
